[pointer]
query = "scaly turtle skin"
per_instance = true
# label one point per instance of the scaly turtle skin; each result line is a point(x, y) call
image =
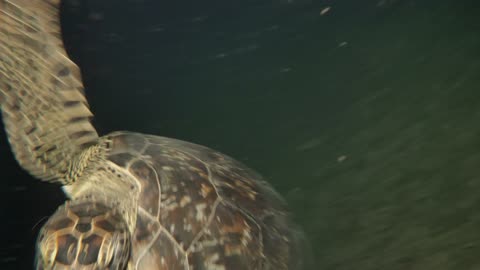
point(136, 201)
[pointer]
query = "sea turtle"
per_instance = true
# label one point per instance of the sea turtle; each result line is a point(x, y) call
point(135, 201)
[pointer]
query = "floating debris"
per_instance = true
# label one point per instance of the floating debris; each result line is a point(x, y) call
point(113, 37)
point(8, 259)
point(272, 28)
point(19, 188)
point(156, 29)
point(309, 144)
point(221, 55)
point(324, 11)
point(199, 19)
point(248, 48)
point(284, 70)
point(342, 44)
point(96, 16)
point(341, 158)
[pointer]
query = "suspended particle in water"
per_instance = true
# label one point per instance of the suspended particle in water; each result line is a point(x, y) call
point(324, 11)
point(341, 158)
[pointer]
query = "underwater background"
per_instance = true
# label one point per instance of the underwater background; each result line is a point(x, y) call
point(364, 115)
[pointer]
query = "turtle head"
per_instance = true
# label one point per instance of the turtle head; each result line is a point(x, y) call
point(84, 235)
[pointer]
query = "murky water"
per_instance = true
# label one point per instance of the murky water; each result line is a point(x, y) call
point(365, 118)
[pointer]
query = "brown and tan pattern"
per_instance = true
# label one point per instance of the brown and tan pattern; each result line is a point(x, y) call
point(82, 234)
point(137, 201)
point(200, 209)
point(41, 94)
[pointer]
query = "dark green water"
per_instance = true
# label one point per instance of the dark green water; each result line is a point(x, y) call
point(366, 119)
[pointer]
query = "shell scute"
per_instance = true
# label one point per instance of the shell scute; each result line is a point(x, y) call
point(150, 189)
point(126, 142)
point(121, 159)
point(164, 253)
point(231, 241)
point(188, 195)
point(145, 231)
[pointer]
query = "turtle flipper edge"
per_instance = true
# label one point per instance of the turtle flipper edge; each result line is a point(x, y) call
point(44, 109)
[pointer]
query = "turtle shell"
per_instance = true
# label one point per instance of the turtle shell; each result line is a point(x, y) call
point(200, 209)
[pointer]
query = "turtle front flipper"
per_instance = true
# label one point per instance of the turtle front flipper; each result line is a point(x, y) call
point(84, 235)
point(44, 109)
